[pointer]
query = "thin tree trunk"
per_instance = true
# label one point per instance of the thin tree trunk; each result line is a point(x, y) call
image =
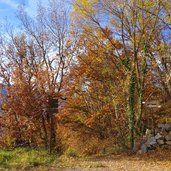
point(141, 90)
point(131, 107)
point(45, 132)
point(52, 131)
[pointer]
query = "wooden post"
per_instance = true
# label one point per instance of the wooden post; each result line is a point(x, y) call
point(153, 104)
point(53, 108)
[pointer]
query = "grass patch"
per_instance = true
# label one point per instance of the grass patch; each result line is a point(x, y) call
point(99, 165)
point(24, 157)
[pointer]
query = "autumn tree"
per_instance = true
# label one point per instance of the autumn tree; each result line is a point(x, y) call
point(104, 59)
point(40, 58)
point(93, 108)
point(137, 30)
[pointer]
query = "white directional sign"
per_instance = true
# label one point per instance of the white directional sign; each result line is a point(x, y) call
point(152, 104)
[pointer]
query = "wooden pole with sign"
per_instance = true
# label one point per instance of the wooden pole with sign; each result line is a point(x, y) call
point(153, 104)
point(52, 109)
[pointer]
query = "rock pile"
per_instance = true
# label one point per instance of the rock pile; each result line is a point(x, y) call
point(162, 139)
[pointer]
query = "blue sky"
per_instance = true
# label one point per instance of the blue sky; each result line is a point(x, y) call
point(8, 9)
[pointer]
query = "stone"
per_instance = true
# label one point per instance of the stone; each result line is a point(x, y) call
point(164, 127)
point(161, 126)
point(164, 146)
point(162, 139)
point(160, 142)
point(152, 147)
point(158, 136)
point(144, 149)
point(163, 134)
point(168, 137)
point(167, 127)
point(151, 142)
point(168, 142)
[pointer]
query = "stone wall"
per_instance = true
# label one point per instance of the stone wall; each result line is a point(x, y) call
point(161, 139)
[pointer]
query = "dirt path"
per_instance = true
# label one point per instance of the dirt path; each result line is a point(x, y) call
point(155, 161)
point(123, 165)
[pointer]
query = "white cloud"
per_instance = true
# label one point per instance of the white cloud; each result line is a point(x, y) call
point(30, 7)
point(10, 3)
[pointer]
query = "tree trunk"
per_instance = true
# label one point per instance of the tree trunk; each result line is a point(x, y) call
point(131, 107)
point(141, 90)
point(45, 133)
point(52, 140)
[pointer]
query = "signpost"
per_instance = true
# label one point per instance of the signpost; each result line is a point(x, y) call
point(152, 104)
